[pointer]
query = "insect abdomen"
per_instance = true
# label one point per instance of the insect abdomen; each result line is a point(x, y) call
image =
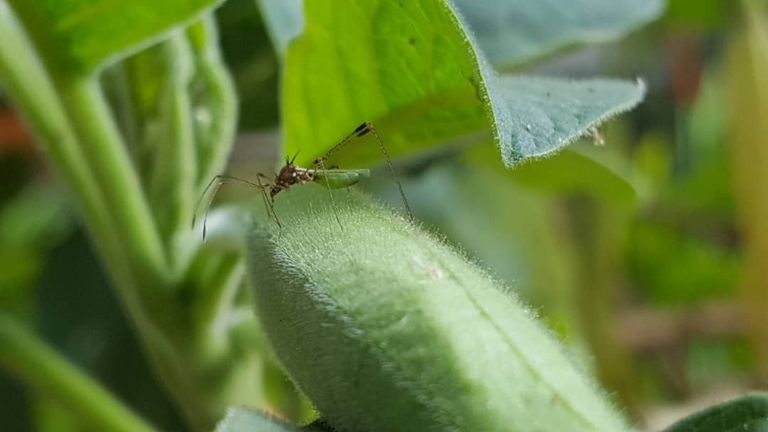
point(336, 179)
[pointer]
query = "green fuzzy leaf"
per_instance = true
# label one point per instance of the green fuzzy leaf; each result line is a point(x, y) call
point(511, 32)
point(386, 328)
point(78, 36)
point(411, 69)
point(546, 114)
point(745, 414)
point(240, 419)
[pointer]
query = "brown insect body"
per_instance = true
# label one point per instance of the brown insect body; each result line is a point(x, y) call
point(290, 175)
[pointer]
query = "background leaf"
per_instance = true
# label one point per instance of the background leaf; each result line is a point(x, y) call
point(80, 35)
point(514, 31)
point(573, 172)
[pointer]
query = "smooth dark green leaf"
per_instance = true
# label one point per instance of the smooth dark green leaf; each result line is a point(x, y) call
point(80, 35)
point(513, 31)
point(386, 328)
point(745, 414)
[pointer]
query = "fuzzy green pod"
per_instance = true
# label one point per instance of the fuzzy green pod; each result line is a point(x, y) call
point(386, 328)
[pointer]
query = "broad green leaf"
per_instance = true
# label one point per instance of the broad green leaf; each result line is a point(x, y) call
point(240, 419)
point(78, 36)
point(511, 32)
point(406, 66)
point(411, 69)
point(745, 414)
point(385, 328)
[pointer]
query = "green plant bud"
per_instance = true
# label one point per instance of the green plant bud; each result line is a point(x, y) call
point(386, 328)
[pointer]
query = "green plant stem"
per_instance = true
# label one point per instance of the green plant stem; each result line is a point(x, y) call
point(601, 233)
point(221, 100)
point(747, 99)
point(49, 373)
point(70, 117)
point(115, 176)
point(172, 185)
point(27, 82)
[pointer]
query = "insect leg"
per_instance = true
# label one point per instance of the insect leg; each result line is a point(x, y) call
point(214, 186)
point(330, 194)
point(269, 202)
point(368, 127)
point(365, 128)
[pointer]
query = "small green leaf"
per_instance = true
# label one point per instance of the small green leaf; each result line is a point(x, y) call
point(546, 114)
point(511, 32)
point(411, 69)
point(745, 414)
point(386, 328)
point(80, 35)
point(240, 419)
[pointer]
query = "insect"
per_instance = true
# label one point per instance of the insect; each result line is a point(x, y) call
point(291, 175)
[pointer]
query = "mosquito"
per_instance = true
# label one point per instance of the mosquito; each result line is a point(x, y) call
point(291, 175)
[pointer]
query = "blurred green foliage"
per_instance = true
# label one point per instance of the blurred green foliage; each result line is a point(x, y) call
point(664, 179)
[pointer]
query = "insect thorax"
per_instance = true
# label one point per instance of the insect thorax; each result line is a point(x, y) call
point(291, 175)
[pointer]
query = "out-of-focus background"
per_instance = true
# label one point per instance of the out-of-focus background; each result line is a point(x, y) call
point(654, 271)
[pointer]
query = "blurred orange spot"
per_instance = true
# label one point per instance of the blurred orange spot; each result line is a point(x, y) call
point(13, 135)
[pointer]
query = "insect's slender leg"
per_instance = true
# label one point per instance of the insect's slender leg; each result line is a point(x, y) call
point(365, 128)
point(269, 202)
point(368, 127)
point(338, 146)
point(214, 185)
point(330, 194)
